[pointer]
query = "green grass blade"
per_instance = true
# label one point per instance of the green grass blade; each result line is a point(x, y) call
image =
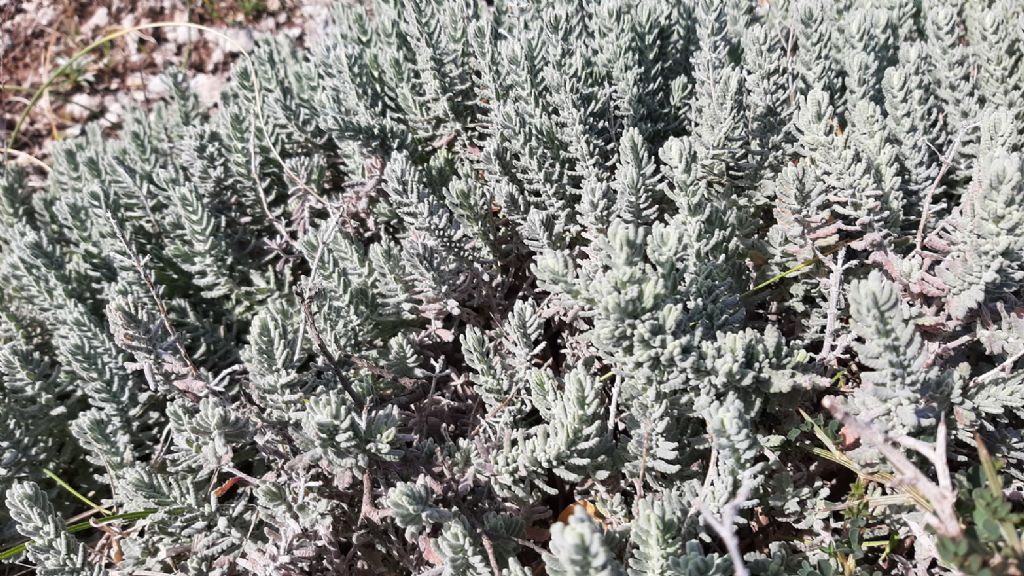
point(794, 270)
point(995, 484)
point(780, 276)
point(76, 493)
point(81, 527)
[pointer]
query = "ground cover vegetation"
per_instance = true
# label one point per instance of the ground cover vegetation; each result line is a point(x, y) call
point(616, 287)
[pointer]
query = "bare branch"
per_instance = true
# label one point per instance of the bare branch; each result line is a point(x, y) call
point(948, 347)
point(941, 496)
point(1003, 368)
point(332, 361)
point(367, 510)
point(139, 265)
point(946, 162)
point(724, 526)
point(828, 355)
point(489, 547)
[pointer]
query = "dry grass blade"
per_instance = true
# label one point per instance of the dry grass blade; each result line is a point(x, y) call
point(19, 155)
point(834, 454)
point(939, 496)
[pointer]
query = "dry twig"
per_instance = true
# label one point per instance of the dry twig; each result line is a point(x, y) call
point(367, 510)
point(1004, 367)
point(941, 496)
point(489, 548)
point(332, 361)
point(724, 526)
point(139, 265)
point(946, 162)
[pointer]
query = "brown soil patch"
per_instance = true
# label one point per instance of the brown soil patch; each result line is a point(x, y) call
point(38, 36)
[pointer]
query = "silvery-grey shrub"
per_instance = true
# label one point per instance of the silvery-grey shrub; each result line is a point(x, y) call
point(404, 295)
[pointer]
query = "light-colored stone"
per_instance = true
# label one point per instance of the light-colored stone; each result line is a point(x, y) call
point(114, 112)
point(44, 13)
point(207, 88)
point(147, 87)
point(181, 34)
point(213, 59)
point(81, 105)
point(99, 20)
point(237, 40)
